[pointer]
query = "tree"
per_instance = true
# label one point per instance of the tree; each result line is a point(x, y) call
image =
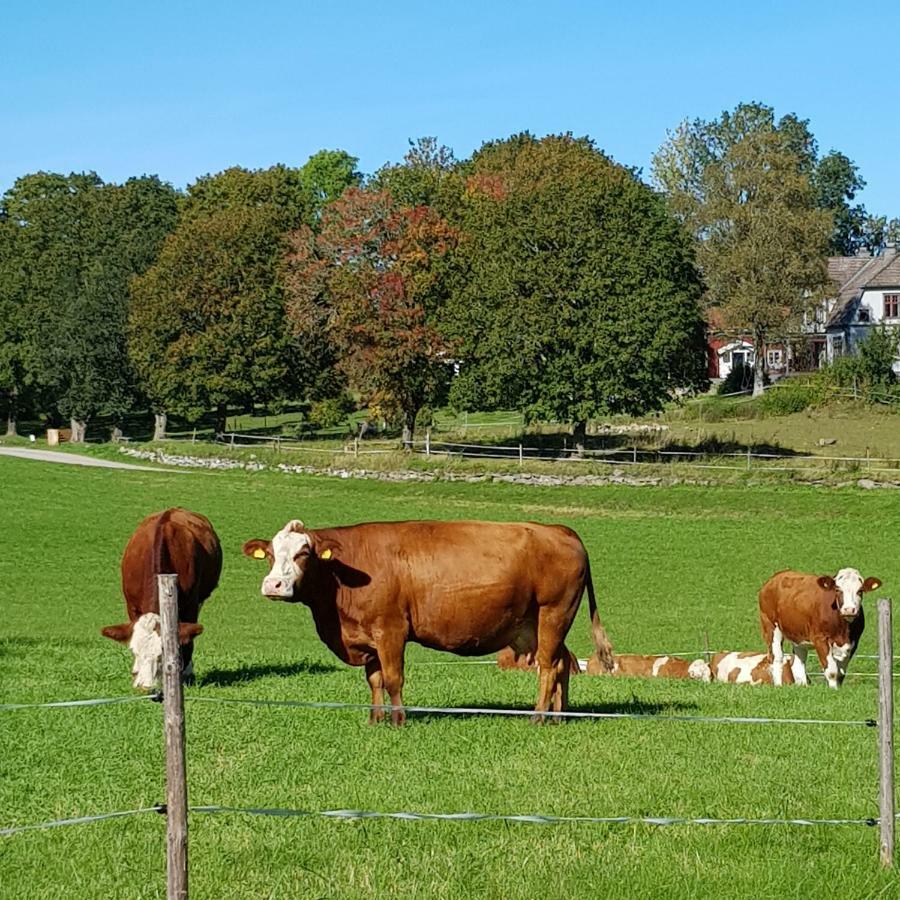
point(836, 181)
point(879, 231)
point(370, 285)
point(325, 176)
point(428, 176)
point(579, 295)
point(206, 324)
point(742, 184)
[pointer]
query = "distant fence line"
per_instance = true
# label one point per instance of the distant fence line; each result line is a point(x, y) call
point(521, 452)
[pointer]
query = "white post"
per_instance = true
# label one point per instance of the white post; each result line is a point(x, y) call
point(176, 773)
point(428, 442)
point(521, 455)
point(886, 732)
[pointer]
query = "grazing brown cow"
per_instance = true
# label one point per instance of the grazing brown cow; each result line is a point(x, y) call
point(750, 667)
point(630, 665)
point(470, 588)
point(173, 541)
point(820, 611)
point(507, 658)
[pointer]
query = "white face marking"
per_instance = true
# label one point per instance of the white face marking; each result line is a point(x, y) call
point(658, 663)
point(286, 545)
point(849, 584)
point(699, 670)
point(146, 645)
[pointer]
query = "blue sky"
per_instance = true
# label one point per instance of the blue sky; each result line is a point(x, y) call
point(182, 89)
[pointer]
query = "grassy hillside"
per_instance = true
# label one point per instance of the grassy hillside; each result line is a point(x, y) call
point(669, 563)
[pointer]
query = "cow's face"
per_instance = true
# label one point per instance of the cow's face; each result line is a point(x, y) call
point(289, 554)
point(144, 642)
point(849, 587)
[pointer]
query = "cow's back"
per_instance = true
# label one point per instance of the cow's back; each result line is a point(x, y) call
point(460, 586)
point(172, 541)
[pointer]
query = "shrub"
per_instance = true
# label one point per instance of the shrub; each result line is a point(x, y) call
point(789, 397)
point(740, 378)
point(331, 412)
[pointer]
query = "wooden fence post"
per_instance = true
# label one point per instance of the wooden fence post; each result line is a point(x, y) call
point(176, 774)
point(428, 442)
point(886, 732)
point(749, 457)
point(521, 455)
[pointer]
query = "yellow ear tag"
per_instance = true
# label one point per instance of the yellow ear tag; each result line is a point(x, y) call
point(259, 554)
point(325, 554)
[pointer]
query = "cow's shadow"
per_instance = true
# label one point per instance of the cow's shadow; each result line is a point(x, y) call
point(632, 707)
point(252, 672)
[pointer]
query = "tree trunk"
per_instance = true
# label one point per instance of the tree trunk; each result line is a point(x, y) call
point(160, 420)
point(221, 418)
point(78, 427)
point(409, 426)
point(759, 362)
point(11, 414)
point(579, 436)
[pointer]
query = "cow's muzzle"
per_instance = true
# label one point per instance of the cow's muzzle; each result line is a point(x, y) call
point(849, 612)
point(278, 588)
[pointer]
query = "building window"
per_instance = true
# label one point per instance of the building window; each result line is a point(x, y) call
point(892, 306)
point(773, 358)
point(837, 347)
point(864, 316)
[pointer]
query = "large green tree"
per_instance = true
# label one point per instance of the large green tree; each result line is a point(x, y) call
point(206, 325)
point(579, 295)
point(76, 243)
point(744, 186)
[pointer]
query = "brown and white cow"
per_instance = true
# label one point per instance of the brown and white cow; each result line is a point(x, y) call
point(173, 541)
point(507, 658)
point(470, 588)
point(820, 611)
point(635, 665)
point(750, 667)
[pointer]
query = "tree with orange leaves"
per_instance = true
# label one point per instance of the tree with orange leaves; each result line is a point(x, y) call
point(366, 290)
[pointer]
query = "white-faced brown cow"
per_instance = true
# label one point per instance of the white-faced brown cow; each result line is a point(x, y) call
point(750, 667)
point(636, 665)
point(174, 541)
point(470, 588)
point(820, 611)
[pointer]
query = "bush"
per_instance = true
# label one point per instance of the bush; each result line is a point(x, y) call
point(790, 397)
point(331, 412)
point(740, 378)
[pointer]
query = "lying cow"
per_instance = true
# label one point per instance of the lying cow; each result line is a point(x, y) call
point(174, 541)
point(817, 611)
point(628, 665)
point(470, 588)
point(750, 667)
point(507, 658)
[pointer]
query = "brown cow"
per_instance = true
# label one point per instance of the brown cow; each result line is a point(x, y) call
point(507, 658)
point(173, 541)
point(470, 588)
point(750, 667)
point(635, 665)
point(820, 611)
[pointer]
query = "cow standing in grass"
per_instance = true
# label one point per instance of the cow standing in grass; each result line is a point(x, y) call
point(178, 542)
point(470, 588)
point(820, 611)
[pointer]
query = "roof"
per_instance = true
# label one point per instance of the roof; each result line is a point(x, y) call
point(858, 274)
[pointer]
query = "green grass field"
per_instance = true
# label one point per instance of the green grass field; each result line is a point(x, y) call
point(669, 563)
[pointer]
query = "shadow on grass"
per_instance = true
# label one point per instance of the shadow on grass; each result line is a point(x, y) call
point(244, 674)
point(631, 707)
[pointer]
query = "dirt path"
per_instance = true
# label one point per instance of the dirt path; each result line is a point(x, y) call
point(76, 460)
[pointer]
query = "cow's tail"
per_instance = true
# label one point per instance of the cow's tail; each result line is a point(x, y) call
point(602, 646)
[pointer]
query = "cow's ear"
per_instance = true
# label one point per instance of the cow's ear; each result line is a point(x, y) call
point(187, 631)
point(120, 633)
point(826, 582)
point(257, 549)
point(326, 549)
point(871, 584)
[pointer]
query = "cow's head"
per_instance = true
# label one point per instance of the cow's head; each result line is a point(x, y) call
point(848, 586)
point(144, 641)
point(291, 554)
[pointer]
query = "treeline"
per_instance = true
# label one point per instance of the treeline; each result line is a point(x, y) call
point(538, 274)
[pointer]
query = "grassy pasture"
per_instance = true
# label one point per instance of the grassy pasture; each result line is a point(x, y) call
point(668, 563)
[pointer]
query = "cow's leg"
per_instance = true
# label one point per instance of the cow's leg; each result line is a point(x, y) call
point(798, 666)
point(777, 654)
point(834, 664)
point(376, 683)
point(390, 654)
point(187, 663)
point(561, 693)
point(552, 659)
